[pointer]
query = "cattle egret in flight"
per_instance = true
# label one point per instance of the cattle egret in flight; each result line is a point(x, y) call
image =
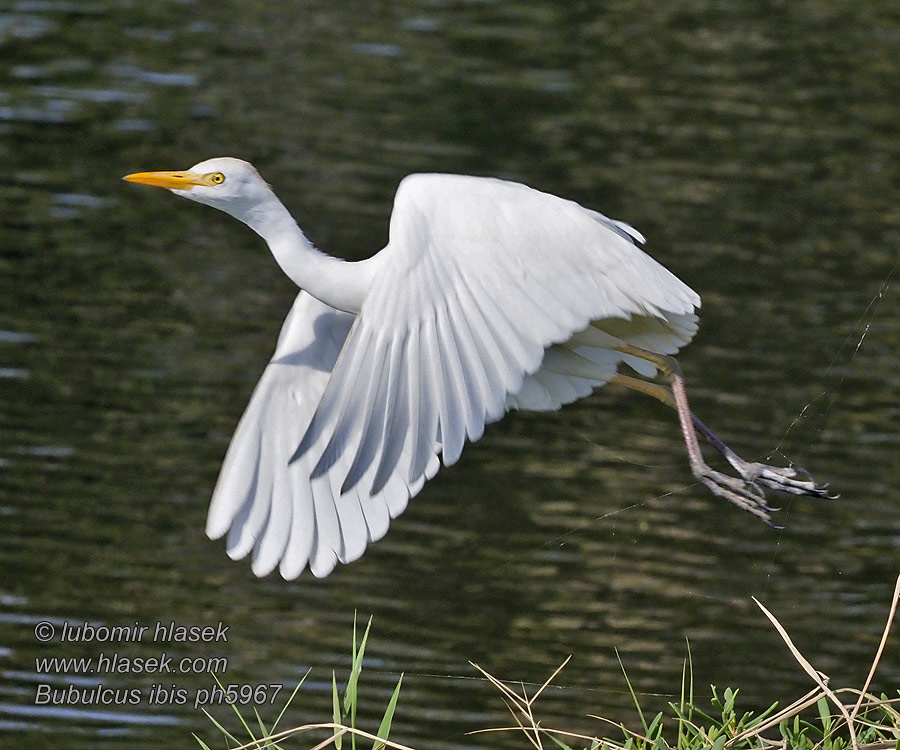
point(489, 296)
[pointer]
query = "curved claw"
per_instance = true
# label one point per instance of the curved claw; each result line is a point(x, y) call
point(805, 473)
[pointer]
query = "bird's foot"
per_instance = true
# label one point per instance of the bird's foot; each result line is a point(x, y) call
point(793, 480)
point(745, 494)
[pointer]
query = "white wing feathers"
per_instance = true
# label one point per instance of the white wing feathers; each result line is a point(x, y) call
point(489, 296)
point(268, 504)
point(479, 278)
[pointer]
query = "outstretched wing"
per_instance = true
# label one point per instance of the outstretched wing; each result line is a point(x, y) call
point(267, 504)
point(483, 299)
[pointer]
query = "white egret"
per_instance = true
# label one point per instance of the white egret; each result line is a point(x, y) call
point(489, 296)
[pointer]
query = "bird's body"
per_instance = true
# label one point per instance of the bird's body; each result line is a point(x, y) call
point(488, 296)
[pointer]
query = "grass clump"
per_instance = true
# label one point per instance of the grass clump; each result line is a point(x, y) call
point(689, 727)
point(863, 722)
point(344, 712)
point(823, 719)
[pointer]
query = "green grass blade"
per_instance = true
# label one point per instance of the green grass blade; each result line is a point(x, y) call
point(686, 699)
point(228, 735)
point(559, 743)
point(355, 668)
point(335, 711)
point(824, 714)
point(655, 728)
point(352, 648)
point(259, 722)
point(350, 694)
point(201, 742)
point(234, 708)
point(237, 712)
point(290, 699)
point(384, 729)
point(637, 703)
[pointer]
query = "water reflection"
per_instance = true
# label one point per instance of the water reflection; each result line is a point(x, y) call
point(755, 147)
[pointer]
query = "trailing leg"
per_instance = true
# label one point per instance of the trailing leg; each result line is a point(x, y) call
point(745, 492)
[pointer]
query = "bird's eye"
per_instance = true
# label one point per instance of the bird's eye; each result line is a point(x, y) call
point(217, 178)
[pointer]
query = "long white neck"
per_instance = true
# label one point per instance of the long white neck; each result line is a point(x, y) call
point(338, 283)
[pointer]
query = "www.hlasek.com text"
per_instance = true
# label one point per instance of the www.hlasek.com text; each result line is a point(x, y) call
point(115, 663)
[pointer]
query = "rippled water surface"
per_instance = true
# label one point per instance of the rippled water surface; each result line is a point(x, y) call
point(755, 144)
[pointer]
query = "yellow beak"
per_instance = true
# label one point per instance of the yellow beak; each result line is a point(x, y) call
point(170, 180)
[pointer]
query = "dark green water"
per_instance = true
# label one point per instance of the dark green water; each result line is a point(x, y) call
point(755, 144)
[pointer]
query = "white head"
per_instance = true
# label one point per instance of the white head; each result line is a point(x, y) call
point(231, 185)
